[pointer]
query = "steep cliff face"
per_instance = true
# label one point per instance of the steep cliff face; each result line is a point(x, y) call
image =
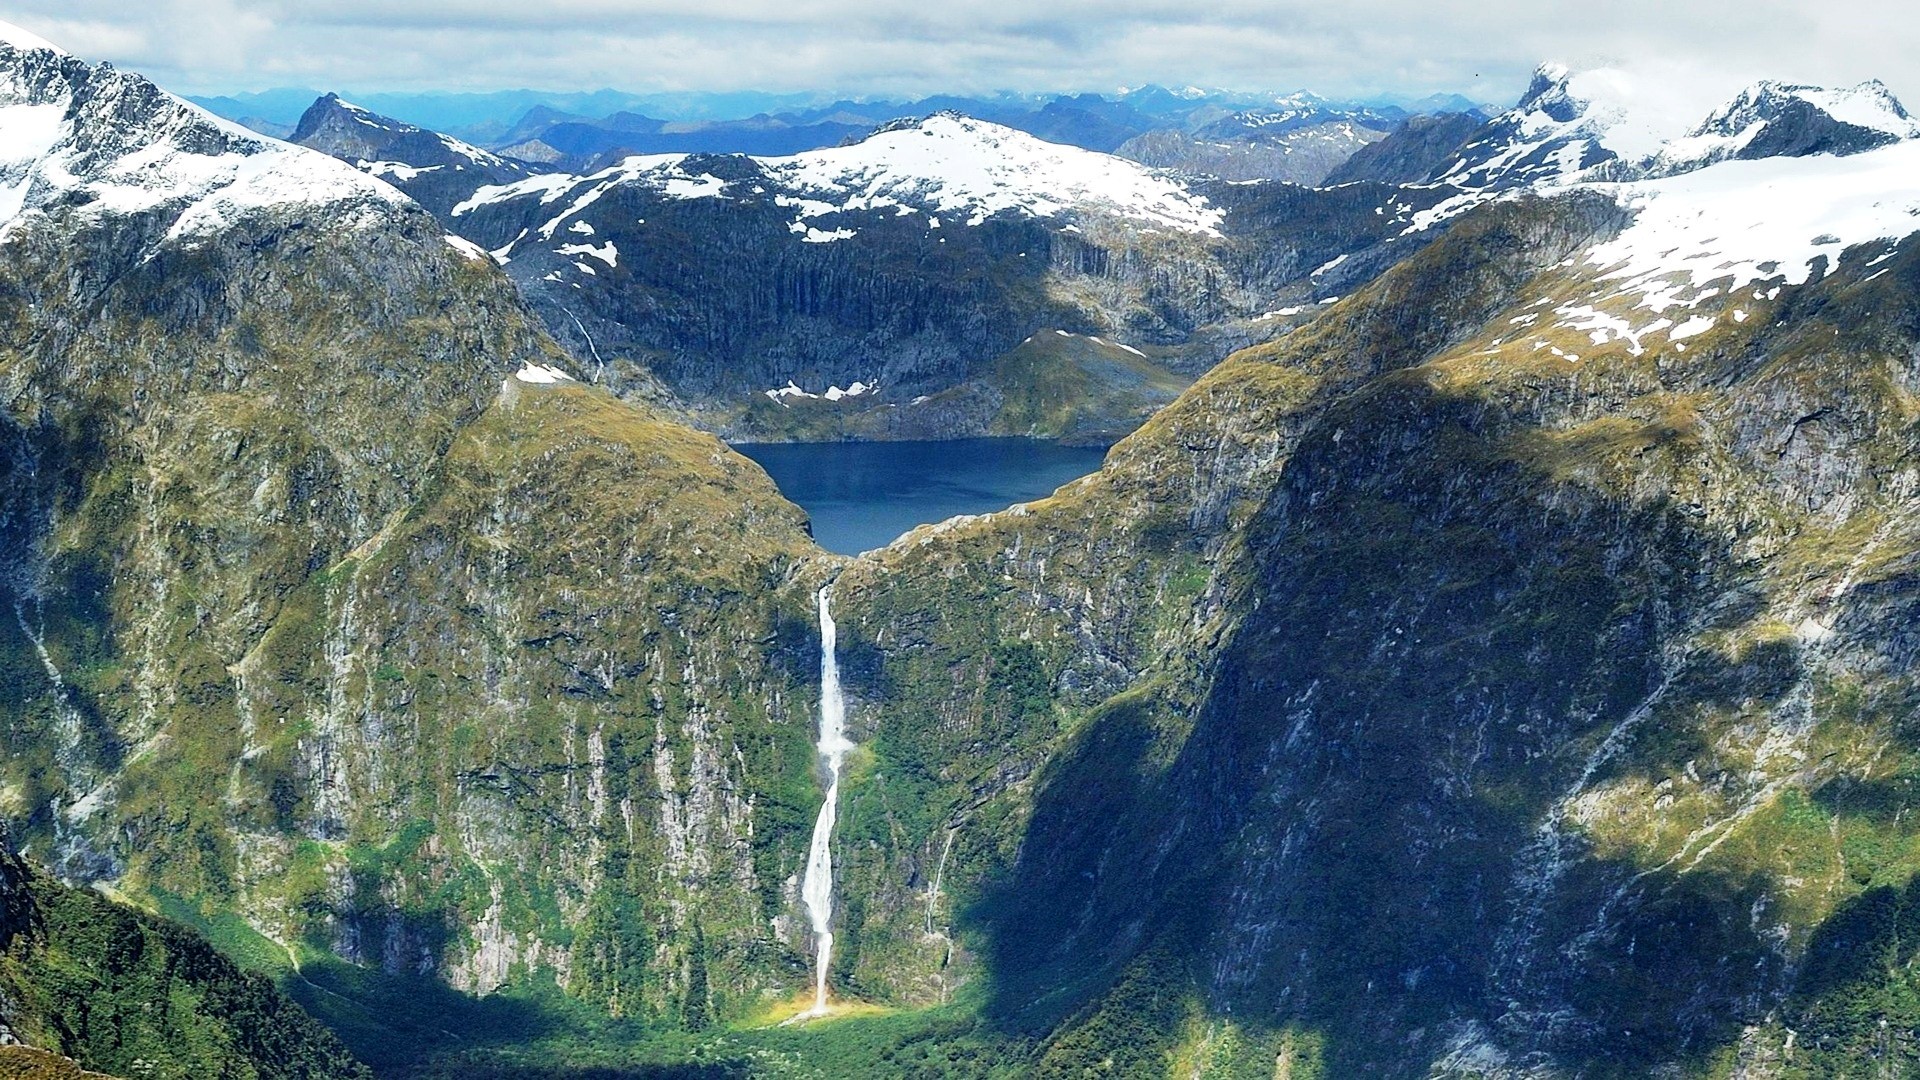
point(910, 262)
point(1503, 670)
point(994, 647)
point(1540, 712)
point(320, 601)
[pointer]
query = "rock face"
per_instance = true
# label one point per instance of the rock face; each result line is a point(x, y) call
point(1504, 669)
point(911, 262)
point(435, 170)
point(1411, 152)
point(296, 462)
point(1491, 692)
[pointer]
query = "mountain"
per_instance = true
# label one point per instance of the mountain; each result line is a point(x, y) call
point(473, 116)
point(1504, 668)
point(1593, 125)
point(620, 261)
point(1503, 674)
point(1089, 121)
point(1772, 119)
point(1300, 145)
point(93, 146)
point(1411, 152)
point(909, 262)
point(270, 440)
point(435, 170)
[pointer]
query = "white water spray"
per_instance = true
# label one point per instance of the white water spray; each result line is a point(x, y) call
point(817, 887)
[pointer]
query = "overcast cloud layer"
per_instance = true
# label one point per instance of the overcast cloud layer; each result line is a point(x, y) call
point(909, 47)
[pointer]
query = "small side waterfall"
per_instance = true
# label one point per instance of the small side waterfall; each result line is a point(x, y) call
point(816, 888)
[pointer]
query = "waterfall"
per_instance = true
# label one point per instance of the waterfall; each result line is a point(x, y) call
point(817, 887)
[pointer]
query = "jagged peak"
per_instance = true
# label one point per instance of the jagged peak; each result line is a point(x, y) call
point(1870, 105)
point(124, 146)
point(1549, 82)
point(332, 107)
point(1775, 119)
point(905, 123)
point(932, 121)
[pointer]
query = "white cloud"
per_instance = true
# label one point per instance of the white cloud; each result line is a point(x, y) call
point(1483, 49)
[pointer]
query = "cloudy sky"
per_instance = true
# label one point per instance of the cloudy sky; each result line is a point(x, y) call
point(898, 47)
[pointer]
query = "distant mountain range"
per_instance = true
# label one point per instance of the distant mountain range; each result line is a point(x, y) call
point(916, 255)
point(1295, 136)
point(911, 261)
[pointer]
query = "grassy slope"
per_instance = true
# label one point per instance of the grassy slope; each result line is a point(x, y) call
point(135, 996)
point(1043, 695)
point(1607, 457)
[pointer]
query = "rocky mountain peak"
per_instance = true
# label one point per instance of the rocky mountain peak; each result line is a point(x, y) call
point(1774, 119)
point(336, 126)
point(436, 170)
point(1604, 124)
point(330, 112)
point(1869, 105)
point(91, 139)
point(1550, 92)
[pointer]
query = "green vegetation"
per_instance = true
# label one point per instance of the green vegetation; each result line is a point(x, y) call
point(1401, 698)
point(124, 993)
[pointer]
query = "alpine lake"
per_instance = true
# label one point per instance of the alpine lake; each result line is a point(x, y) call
point(863, 495)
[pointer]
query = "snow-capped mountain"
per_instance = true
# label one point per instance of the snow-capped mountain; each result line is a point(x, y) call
point(436, 170)
point(1565, 127)
point(88, 141)
point(1300, 140)
point(908, 262)
point(946, 168)
point(1602, 125)
point(1771, 119)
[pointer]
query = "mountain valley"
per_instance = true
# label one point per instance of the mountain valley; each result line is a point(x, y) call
point(1487, 648)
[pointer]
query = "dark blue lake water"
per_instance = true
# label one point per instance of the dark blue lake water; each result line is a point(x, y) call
point(863, 495)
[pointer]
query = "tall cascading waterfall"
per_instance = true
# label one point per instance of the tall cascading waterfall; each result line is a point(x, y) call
point(816, 888)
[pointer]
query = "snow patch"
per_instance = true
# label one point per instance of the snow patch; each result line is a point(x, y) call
point(606, 252)
point(1328, 265)
point(467, 247)
point(817, 236)
point(1741, 223)
point(549, 186)
point(833, 393)
point(543, 374)
point(1693, 327)
point(395, 170)
point(693, 187)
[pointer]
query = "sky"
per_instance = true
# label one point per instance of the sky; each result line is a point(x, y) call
point(898, 48)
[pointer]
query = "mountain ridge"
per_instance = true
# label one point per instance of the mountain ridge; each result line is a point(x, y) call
point(1504, 668)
